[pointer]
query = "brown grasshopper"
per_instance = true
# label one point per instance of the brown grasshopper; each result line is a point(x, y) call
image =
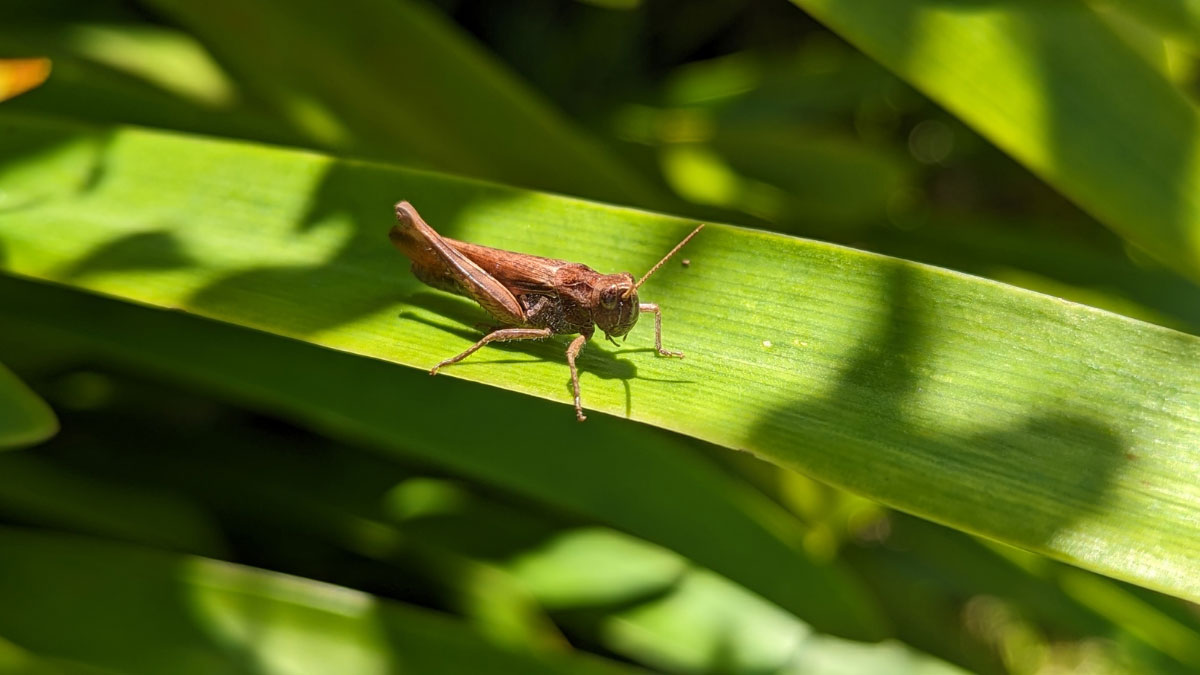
point(534, 297)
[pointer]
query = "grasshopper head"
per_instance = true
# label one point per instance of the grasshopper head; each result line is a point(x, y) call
point(615, 298)
point(616, 302)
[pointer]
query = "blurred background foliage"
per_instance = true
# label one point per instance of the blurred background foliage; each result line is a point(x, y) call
point(746, 111)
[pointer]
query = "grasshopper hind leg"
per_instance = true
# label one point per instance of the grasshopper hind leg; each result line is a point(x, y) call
point(500, 335)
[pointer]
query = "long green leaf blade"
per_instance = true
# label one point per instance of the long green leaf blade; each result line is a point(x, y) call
point(1054, 86)
point(1049, 425)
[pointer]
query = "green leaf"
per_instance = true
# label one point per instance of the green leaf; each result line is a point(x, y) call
point(1095, 273)
point(1054, 86)
point(140, 611)
point(922, 567)
point(1052, 426)
point(701, 622)
point(25, 418)
point(1179, 19)
point(397, 81)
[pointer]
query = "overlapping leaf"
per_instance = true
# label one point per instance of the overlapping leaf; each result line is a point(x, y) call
point(1056, 87)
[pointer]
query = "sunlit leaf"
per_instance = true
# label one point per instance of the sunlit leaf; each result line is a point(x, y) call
point(1053, 85)
point(1052, 426)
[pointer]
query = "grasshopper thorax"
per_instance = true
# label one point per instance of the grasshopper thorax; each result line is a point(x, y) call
point(615, 304)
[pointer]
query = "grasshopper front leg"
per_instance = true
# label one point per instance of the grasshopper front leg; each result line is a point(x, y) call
point(500, 335)
point(651, 307)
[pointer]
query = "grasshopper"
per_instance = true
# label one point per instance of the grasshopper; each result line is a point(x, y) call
point(532, 297)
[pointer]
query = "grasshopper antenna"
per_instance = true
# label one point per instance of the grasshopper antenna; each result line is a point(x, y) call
point(660, 262)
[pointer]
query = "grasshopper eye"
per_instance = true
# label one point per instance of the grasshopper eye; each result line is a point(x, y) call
point(608, 300)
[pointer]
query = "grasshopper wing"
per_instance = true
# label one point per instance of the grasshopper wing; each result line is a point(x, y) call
point(437, 262)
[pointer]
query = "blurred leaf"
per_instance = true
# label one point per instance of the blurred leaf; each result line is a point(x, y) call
point(394, 80)
point(766, 135)
point(37, 491)
point(17, 661)
point(824, 177)
point(1052, 84)
point(595, 566)
point(170, 60)
point(109, 475)
point(18, 76)
point(668, 615)
point(1124, 608)
point(140, 611)
point(708, 625)
point(1179, 19)
point(1056, 427)
point(936, 583)
point(821, 81)
point(686, 620)
point(25, 419)
point(114, 69)
point(790, 175)
point(430, 547)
